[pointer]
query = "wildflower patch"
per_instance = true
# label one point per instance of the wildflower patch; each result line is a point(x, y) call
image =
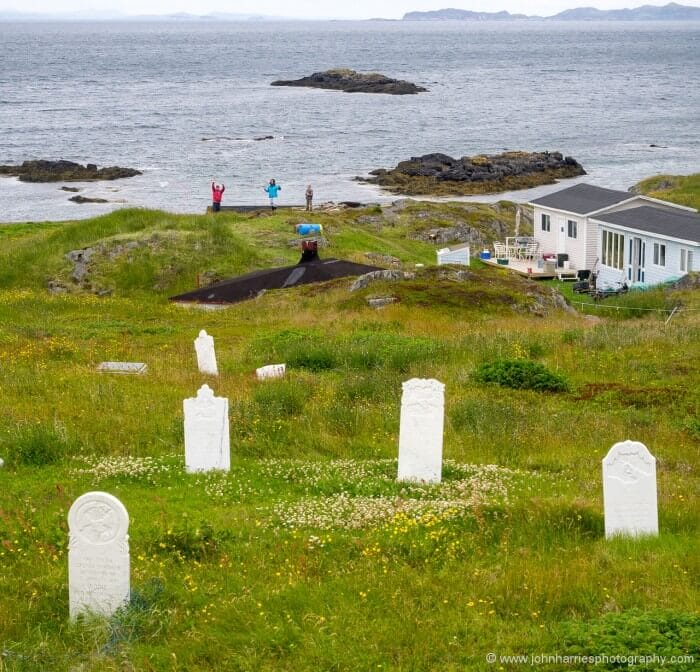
point(346, 494)
point(111, 466)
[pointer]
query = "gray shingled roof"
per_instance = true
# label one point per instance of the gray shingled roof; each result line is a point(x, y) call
point(683, 225)
point(582, 199)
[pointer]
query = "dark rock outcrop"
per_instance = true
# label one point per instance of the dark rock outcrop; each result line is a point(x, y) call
point(86, 199)
point(439, 174)
point(354, 82)
point(65, 171)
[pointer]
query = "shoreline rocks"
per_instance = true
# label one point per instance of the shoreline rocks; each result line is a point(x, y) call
point(354, 82)
point(440, 174)
point(65, 171)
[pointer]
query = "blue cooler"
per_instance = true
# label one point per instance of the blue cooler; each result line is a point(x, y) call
point(485, 255)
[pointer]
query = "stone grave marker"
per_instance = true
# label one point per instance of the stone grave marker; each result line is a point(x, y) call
point(206, 356)
point(123, 367)
point(271, 371)
point(207, 441)
point(629, 490)
point(98, 555)
point(420, 434)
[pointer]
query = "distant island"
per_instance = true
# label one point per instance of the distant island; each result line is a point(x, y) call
point(354, 82)
point(441, 175)
point(670, 12)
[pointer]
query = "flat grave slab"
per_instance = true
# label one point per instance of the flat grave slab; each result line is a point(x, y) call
point(123, 367)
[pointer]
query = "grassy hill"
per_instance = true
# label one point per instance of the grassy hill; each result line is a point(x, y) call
point(682, 189)
point(308, 555)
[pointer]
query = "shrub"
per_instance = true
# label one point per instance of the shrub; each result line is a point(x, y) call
point(394, 351)
point(186, 543)
point(692, 426)
point(649, 634)
point(521, 374)
point(37, 444)
point(281, 398)
point(311, 356)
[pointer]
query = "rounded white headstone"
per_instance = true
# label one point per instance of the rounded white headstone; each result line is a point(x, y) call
point(98, 518)
point(98, 554)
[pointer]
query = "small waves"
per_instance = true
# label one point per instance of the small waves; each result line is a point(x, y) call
point(625, 112)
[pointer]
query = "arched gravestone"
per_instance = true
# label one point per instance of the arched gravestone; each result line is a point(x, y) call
point(629, 490)
point(207, 441)
point(420, 434)
point(206, 355)
point(98, 555)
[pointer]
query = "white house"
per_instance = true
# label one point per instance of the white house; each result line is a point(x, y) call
point(646, 245)
point(567, 221)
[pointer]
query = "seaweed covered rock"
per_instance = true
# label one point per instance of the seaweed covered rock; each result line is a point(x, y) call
point(65, 171)
point(440, 174)
point(354, 82)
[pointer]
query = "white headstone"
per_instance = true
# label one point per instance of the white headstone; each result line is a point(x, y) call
point(98, 554)
point(207, 442)
point(206, 356)
point(271, 371)
point(629, 490)
point(420, 434)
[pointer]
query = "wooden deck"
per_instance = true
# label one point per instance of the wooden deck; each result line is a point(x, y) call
point(529, 269)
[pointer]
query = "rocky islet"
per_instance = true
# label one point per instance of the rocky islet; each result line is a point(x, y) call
point(351, 81)
point(440, 174)
point(65, 171)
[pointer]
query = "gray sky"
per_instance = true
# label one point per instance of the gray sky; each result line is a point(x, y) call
point(355, 9)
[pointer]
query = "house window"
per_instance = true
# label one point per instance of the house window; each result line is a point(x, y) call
point(659, 254)
point(571, 226)
point(546, 222)
point(613, 249)
point(686, 260)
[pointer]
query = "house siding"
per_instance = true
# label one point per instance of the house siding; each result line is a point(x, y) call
point(556, 240)
point(585, 249)
point(637, 202)
point(590, 241)
point(653, 274)
point(546, 239)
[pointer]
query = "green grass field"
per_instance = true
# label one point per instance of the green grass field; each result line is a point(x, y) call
point(309, 555)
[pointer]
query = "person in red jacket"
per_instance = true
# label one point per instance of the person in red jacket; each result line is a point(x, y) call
point(217, 191)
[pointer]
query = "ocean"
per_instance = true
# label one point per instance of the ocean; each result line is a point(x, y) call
point(185, 102)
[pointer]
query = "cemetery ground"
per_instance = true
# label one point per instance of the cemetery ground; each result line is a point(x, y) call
point(308, 555)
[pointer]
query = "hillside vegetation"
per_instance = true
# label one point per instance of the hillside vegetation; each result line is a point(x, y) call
point(682, 189)
point(309, 555)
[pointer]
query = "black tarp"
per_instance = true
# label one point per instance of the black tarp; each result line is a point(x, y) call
point(248, 286)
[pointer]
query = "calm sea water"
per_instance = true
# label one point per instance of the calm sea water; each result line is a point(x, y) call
point(153, 95)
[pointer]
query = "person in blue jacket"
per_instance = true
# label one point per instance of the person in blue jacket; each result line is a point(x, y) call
point(272, 190)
